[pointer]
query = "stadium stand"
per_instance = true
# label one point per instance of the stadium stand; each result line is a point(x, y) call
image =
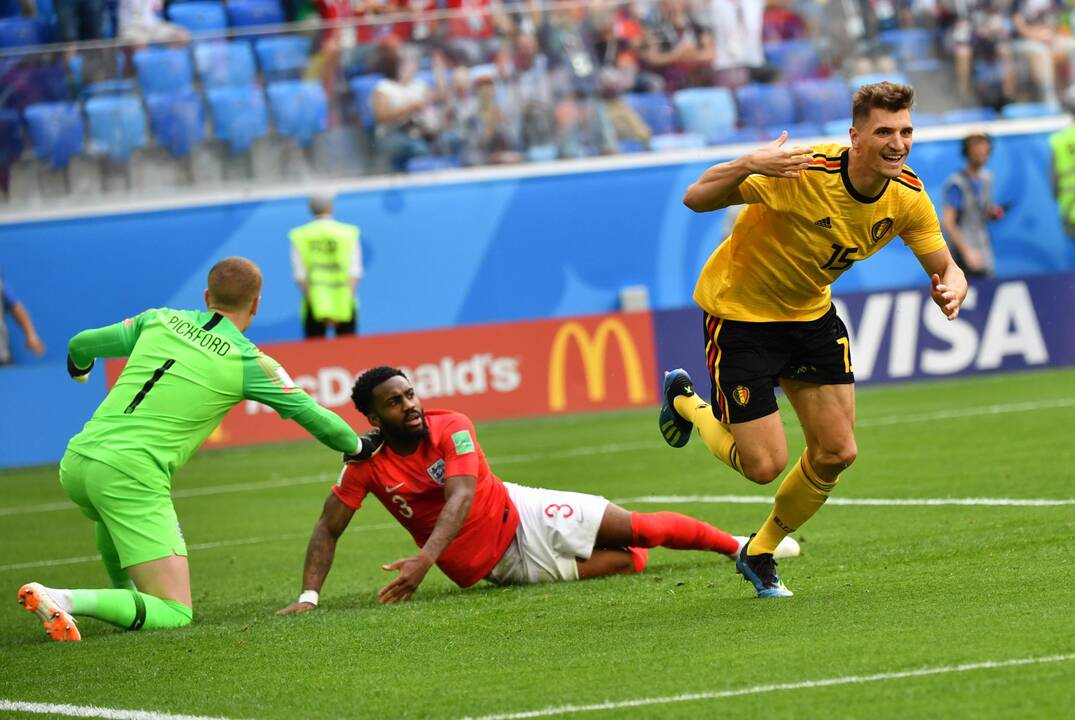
point(199, 17)
point(709, 112)
point(164, 70)
point(299, 109)
point(764, 106)
point(56, 132)
point(177, 121)
point(117, 126)
point(244, 13)
point(221, 64)
point(239, 115)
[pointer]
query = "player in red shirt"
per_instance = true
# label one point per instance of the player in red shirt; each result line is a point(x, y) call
point(432, 476)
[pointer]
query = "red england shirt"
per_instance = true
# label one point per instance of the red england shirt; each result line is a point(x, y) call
point(411, 487)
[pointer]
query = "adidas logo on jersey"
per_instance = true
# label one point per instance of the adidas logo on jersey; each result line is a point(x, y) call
point(824, 222)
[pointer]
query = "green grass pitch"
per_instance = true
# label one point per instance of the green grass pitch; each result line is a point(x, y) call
point(881, 590)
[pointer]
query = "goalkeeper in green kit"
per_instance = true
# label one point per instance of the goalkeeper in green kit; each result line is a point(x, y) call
point(186, 369)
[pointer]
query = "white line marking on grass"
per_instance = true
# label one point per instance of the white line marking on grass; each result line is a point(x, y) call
point(759, 689)
point(606, 449)
point(870, 502)
point(194, 546)
point(91, 711)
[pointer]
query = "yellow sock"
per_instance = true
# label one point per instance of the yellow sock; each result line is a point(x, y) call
point(800, 495)
point(714, 434)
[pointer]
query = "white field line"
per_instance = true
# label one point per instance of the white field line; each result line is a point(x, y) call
point(760, 689)
point(194, 546)
point(585, 451)
point(90, 711)
point(872, 502)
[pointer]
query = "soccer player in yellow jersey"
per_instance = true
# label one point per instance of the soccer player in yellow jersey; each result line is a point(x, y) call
point(811, 213)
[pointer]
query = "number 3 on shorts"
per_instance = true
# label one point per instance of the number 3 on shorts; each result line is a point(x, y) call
point(847, 353)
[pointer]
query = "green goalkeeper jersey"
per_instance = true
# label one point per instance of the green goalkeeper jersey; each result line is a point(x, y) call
point(186, 370)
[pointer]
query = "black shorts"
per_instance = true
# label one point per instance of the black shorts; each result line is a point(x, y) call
point(747, 359)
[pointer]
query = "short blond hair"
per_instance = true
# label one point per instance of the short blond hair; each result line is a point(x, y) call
point(234, 283)
point(885, 95)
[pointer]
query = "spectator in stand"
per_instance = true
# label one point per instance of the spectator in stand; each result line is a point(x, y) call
point(406, 120)
point(567, 39)
point(618, 44)
point(78, 20)
point(528, 89)
point(780, 22)
point(10, 304)
point(141, 22)
point(968, 209)
point(623, 122)
point(1037, 37)
point(738, 57)
point(977, 33)
point(492, 139)
point(678, 46)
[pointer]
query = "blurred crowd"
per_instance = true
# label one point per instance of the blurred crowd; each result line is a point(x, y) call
point(498, 81)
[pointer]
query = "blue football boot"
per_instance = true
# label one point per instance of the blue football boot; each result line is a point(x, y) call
point(675, 430)
point(760, 571)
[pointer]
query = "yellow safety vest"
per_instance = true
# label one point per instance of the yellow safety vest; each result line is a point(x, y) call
point(326, 248)
point(1063, 145)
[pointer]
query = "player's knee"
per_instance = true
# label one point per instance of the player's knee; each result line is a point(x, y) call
point(837, 458)
point(762, 470)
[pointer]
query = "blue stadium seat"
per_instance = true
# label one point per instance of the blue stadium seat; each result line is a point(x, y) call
point(762, 105)
point(655, 109)
point(299, 109)
point(1017, 111)
point(282, 57)
point(362, 88)
point(795, 59)
point(625, 147)
point(239, 115)
point(970, 115)
point(429, 163)
point(164, 70)
point(177, 120)
point(222, 64)
point(821, 100)
point(796, 131)
point(19, 32)
point(709, 112)
point(913, 48)
point(254, 12)
point(858, 81)
point(121, 86)
point(678, 141)
point(117, 125)
point(11, 143)
point(56, 131)
point(839, 126)
point(736, 136)
point(10, 8)
point(199, 17)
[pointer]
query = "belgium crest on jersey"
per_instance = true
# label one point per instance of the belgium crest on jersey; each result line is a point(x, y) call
point(880, 229)
point(741, 395)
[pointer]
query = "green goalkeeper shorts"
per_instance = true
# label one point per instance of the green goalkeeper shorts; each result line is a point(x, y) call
point(139, 517)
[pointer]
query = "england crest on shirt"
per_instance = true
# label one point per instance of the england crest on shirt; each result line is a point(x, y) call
point(436, 471)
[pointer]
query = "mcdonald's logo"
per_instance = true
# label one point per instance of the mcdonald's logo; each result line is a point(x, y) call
point(594, 351)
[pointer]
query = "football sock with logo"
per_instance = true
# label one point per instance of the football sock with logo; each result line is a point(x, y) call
point(799, 496)
point(715, 434)
point(116, 573)
point(679, 532)
point(130, 609)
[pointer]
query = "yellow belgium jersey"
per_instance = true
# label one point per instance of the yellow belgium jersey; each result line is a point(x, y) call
point(796, 236)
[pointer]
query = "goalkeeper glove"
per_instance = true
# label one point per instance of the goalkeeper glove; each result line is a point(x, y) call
point(79, 375)
point(368, 446)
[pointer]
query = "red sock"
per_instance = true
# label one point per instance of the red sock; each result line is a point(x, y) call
point(639, 558)
point(679, 532)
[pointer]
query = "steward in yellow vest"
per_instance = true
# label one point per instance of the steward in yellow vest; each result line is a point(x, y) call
point(326, 262)
point(1063, 145)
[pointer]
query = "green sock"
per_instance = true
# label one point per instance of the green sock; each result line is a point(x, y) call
point(116, 573)
point(130, 609)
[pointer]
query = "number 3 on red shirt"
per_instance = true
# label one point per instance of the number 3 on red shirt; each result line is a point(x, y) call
point(404, 509)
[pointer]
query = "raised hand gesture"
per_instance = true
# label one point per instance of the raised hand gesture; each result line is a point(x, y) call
point(774, 160)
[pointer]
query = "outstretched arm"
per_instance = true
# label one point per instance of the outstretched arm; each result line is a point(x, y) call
point(22, 317)
point(948, 283)
point(718, 187)
point(459, 495)
point(320, 552)
point(116, 340)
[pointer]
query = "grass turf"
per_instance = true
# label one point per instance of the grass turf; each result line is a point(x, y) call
point(879, 589)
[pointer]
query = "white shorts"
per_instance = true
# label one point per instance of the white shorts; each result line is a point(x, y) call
point(555, 529)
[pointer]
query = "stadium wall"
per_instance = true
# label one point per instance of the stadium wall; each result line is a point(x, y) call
point(580, 364)
point(488, 246)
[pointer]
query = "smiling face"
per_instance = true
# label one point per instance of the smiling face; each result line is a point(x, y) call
point(882, 141)
point(397, 411)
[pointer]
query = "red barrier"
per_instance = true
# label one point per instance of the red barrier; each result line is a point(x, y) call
point(508, 370)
